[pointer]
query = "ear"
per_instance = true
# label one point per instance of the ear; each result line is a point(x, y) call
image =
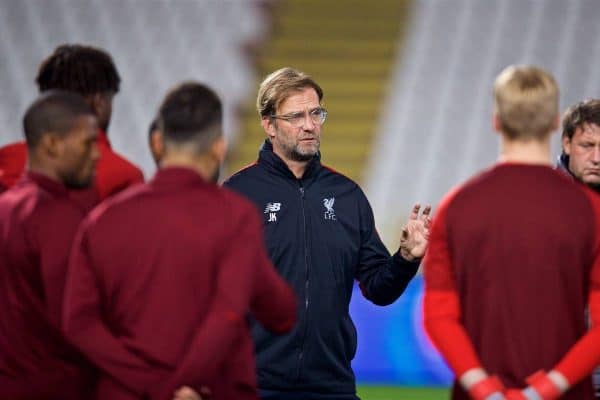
point(556, 123)
point(496, 123)
point(268, 125)
point(219, 148)
point(51, 144)
point(157, 145)
point(98, 102)
point(566, 145)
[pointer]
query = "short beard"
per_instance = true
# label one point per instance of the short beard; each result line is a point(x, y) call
point(72, 182)
point(295, 155)
point(77, 185)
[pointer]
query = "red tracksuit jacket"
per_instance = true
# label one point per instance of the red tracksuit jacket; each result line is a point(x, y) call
point(37, 224)
point(161, 279)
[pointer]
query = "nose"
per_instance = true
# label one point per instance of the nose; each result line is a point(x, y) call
point(596, 155)
point(308, 124)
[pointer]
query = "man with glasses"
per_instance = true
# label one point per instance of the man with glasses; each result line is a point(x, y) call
point(320, 234)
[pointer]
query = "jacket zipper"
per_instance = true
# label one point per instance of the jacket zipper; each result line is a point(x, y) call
point(306, 282)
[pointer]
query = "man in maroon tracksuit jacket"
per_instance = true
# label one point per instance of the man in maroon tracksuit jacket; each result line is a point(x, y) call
point(163, 275)
point(38, 222)
point(513, 260)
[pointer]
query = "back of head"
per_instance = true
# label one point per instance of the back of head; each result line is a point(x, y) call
point(81, 69)
point(53, 112)
point(278, 86)
point(191, 116)
point(580, 114)
point(526, 102)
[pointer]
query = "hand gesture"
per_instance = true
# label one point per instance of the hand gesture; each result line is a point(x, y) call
point(415, 234)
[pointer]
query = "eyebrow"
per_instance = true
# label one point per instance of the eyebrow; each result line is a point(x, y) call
point(302, 112)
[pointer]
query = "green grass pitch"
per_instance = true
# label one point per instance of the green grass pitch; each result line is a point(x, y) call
point(368, 392)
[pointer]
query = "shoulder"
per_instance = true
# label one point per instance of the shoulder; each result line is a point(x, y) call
point(112, 162)
point(16, 149)
point(31, 205)
point(343, 186)
point(238, 205)
point(243, 175)
point(115, 209)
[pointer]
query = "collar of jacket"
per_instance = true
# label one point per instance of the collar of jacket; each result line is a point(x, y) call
point(562, 164)
point(103, 139)
point(173, 178)
point(274, 163)
point(48, 184)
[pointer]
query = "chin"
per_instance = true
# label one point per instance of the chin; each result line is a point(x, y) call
point(79, 184)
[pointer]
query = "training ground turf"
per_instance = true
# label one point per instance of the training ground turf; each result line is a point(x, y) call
point(367, 392)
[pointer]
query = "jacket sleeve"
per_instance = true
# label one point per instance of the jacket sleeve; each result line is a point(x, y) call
point(442, 311)
point(273, 301)
point(84, 325)
point(210, 347)
point(382, 279)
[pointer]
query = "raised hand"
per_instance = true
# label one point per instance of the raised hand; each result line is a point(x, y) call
point(415, 234)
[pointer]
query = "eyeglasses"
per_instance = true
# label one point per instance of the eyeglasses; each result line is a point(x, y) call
point(296, 119)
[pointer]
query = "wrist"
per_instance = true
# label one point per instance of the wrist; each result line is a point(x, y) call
point(547, 386)
point(481, 386)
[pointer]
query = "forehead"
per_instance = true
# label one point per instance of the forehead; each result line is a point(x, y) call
point(587, 132)
point(299, 100)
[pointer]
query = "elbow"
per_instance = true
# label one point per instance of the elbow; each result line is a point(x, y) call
point(284, 326)
point(287, 321)
point(382, 301)
point(379, 299)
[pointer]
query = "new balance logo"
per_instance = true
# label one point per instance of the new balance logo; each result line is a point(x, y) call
point(329, 211)
point(272, 209)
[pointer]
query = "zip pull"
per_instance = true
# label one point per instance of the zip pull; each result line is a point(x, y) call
point(301, 191)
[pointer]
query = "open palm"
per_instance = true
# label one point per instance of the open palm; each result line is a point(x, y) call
point(415, 234)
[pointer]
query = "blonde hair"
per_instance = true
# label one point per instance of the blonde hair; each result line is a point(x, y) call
point(277, 87)
point(526, 102)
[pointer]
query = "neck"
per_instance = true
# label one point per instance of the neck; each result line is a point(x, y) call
point(39, 167)
point(200, 164)
point(297, 167)
point(532, 151)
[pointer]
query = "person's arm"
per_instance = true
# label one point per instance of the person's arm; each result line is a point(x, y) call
point(382, 279)
point(226, 317)
point(442, 317)
point(273, 301)
point(84, 326)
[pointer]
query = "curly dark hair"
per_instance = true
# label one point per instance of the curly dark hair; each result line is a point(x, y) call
point(77, 68)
